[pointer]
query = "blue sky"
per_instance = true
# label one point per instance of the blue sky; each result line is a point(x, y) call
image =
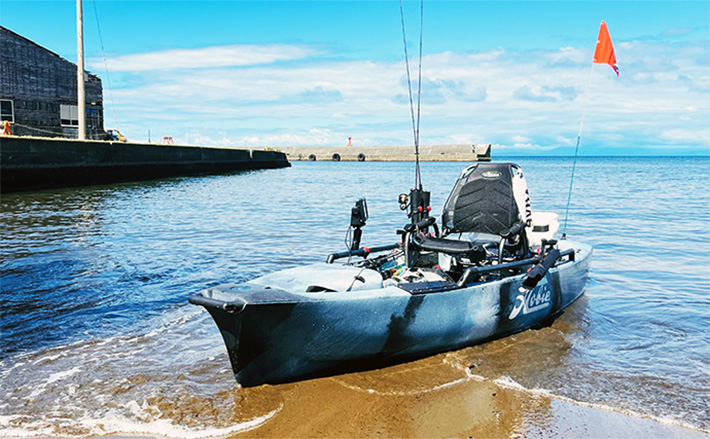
point(513, 74)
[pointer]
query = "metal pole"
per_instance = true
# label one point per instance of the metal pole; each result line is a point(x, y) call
point(80, 93)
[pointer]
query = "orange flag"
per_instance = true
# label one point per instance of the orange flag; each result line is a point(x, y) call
point(604, 53)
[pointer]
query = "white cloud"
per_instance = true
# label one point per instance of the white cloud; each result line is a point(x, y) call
point(687, 137)
point(532, 100)
point(525, 93)
point(313, 137)
point(206, 58)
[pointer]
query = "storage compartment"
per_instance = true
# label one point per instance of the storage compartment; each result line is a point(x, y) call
point(544, 226)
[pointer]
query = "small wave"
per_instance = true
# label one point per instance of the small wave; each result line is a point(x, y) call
point(14, 432)
point(61, 375)
point(58, 376)
point(508, 383)
point(48, 358)
point(398, 392)
point(119, 425)
point(171, 321)
point(166, 428)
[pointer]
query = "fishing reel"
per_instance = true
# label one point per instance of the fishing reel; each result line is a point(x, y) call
point(403, 201)
point(418, 204)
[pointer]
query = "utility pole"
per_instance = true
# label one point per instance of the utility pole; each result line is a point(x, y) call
point(80, 93)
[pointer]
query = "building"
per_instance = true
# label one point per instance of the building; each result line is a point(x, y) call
point(38, 91)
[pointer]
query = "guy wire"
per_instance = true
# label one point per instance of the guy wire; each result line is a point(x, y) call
point(108, 78)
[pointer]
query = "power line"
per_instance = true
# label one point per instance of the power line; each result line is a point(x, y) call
point(108, 78)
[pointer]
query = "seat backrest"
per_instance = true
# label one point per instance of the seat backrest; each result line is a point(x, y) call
point(482, 200)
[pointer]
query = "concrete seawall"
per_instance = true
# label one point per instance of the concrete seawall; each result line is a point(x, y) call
point(427, 153)
point(28, 163)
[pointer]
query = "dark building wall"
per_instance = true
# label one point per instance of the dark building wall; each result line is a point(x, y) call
point(39, 82)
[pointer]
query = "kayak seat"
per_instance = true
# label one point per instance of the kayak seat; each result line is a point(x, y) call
point(482, 200)
point(486, 203)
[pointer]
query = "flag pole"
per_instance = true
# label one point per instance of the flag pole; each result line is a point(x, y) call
point(576, 151)
point(603, 54)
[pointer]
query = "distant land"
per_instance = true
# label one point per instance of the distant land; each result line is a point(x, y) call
point(602, 152)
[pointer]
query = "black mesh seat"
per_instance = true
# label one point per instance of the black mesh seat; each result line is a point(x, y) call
point(482, 204)
point(482, 200)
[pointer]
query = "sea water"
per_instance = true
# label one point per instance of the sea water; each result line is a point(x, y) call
point(98, 338)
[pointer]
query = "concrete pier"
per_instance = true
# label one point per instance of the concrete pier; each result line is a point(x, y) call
point(28, 163)
point(405, 153)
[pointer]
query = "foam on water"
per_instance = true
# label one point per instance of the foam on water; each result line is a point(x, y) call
point(508, 383)
point(165, 382)
point(114, 423)
point(400, 392)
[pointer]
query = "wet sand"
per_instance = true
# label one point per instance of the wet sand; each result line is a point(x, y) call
point(417, 400)
point(487, 391)
point(422, 399)
point(461, 394)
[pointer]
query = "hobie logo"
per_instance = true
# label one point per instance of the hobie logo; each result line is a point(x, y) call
point(531, 301)
point(491, 174)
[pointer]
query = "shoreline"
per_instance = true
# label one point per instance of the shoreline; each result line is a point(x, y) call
point(354, 405)
point(421, 400)
point(465, 407)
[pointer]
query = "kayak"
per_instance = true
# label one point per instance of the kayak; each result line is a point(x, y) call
point(492, 269)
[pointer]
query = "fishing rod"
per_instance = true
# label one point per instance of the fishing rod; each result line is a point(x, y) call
point(418, 199)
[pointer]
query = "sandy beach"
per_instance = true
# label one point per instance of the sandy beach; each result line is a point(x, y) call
point(420, 400)
point(429, 398)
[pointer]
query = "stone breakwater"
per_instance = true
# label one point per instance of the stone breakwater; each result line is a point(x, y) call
point(404, 153)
